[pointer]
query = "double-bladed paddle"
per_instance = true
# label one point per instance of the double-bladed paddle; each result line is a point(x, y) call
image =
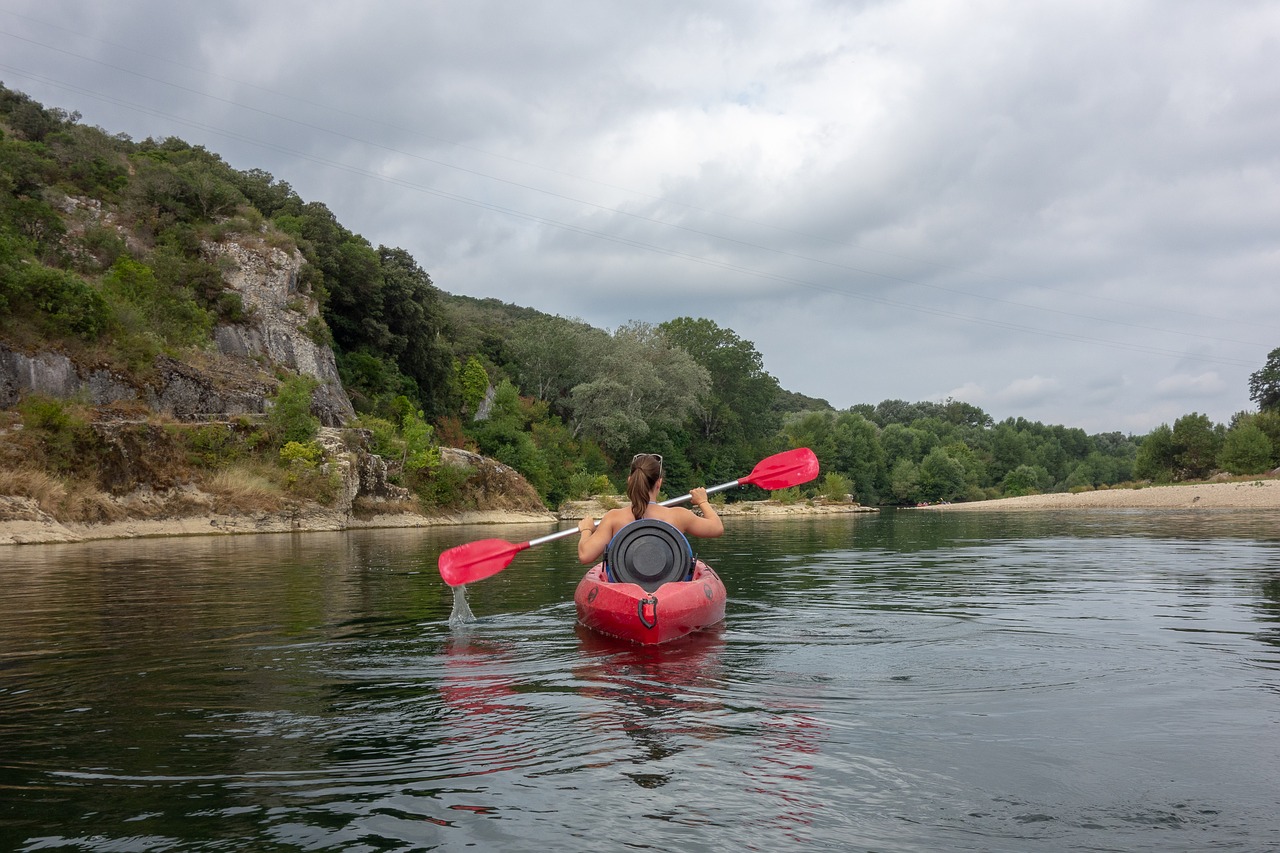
point(478, 560)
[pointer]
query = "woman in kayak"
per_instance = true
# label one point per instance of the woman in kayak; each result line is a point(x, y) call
point(643, 484)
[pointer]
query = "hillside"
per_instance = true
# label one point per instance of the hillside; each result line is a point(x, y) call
point(164, 361)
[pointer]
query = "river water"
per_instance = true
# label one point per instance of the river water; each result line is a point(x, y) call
point(914, 681)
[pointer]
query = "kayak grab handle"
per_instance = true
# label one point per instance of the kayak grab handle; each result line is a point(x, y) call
point(645, 620)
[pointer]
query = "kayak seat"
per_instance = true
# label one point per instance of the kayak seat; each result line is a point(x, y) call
point(648, 553)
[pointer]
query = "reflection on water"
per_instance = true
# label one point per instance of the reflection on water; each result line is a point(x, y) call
point(915, 681)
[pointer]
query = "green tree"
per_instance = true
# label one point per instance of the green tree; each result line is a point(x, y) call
point(1156, 456)
point(942, 477)
point(1264, 384)
point(1024, 480)
point(904, 481)
point(550, 355)
point(1195, 446)
point(290, 418)
point(505, 436)
point(860, 455)
point(1246, 449)
point(740, 400)
point(474, 383)
point(414, 319)
point(642, 383)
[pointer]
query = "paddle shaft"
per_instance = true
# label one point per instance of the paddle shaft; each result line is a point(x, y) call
point(560, 534)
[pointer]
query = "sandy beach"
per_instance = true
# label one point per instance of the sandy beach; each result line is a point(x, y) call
point(1250, 494)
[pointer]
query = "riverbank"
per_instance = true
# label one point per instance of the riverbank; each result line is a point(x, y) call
point(1246, 494)
point(22, 522)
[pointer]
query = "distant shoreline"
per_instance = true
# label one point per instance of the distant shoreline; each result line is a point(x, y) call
point(25, 524)
point(1246, 494)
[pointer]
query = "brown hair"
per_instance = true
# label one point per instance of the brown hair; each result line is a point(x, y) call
point(646, 470)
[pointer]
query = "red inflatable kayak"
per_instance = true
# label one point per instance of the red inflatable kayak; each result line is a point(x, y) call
point(627, 611)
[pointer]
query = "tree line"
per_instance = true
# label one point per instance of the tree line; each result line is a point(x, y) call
point(561, 401)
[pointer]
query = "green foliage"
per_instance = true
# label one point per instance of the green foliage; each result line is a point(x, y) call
point(505, 436)
point(549, 356)
point(1024, 480)
point(740, 402)
point(210, 446)
point(308, 454)
point(290, 417)
point(143, 305)
point(445, 486)
point(474, 382)
point(1195, 446)
point(1246, 449)
point(420, 450)
point(59, 302)
point(941, 477)
point(904, 481)
point(65, 437)
point(583, 484)
point(1264, 384)
point(1156, 456)
point(642, 383)
point(835, 487)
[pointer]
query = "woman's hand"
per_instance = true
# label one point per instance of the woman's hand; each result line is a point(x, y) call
point(699, 496)
point(587, 525)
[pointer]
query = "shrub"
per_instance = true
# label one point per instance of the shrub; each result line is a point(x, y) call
point(290, 418)
point(145, 304)
point(308, 455)
point(67, 440)
point(786, 497)
point(835, 487)
point(583, 485)
point(445, 486)
point(1246, 450)
point(65, 305)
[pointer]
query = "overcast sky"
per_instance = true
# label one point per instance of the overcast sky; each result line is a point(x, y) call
point(1064, 211)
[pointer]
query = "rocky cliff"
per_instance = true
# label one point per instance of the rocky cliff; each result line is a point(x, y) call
point(231, 382)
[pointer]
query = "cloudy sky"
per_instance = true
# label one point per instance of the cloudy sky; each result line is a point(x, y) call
point(1064, 211)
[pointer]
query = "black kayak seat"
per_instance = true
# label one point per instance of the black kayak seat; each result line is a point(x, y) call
point(648, 553)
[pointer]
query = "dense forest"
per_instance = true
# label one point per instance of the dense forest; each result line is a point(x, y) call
point(564, 403)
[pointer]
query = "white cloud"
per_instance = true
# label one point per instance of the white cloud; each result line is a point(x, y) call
point(1183, 385)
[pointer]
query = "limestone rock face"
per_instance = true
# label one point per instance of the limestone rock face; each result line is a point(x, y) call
point(238, 379)
point(267, 280)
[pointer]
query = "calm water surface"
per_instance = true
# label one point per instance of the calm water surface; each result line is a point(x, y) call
point(911, 682)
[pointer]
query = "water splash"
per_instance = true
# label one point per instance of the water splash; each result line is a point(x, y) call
point(461, 613)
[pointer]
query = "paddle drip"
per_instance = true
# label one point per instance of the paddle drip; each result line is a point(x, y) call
point(461, 613)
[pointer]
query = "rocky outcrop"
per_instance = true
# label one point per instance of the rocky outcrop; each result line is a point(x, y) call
point(282, 321)
point(239, 378)
point(494, 485)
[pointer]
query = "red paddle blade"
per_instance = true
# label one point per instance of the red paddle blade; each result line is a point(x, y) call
point(477, 560)
point(784, 470)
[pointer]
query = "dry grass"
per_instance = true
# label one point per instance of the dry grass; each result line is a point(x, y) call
point(365, 507)
point(247, 488)
point(42, 487)
point(63, 498)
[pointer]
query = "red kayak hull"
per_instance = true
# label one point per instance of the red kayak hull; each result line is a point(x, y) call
point(626, 611)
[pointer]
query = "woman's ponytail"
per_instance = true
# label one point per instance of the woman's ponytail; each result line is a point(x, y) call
point(646, 471)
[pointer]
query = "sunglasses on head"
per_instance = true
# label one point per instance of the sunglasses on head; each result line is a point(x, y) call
point(640, 456)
